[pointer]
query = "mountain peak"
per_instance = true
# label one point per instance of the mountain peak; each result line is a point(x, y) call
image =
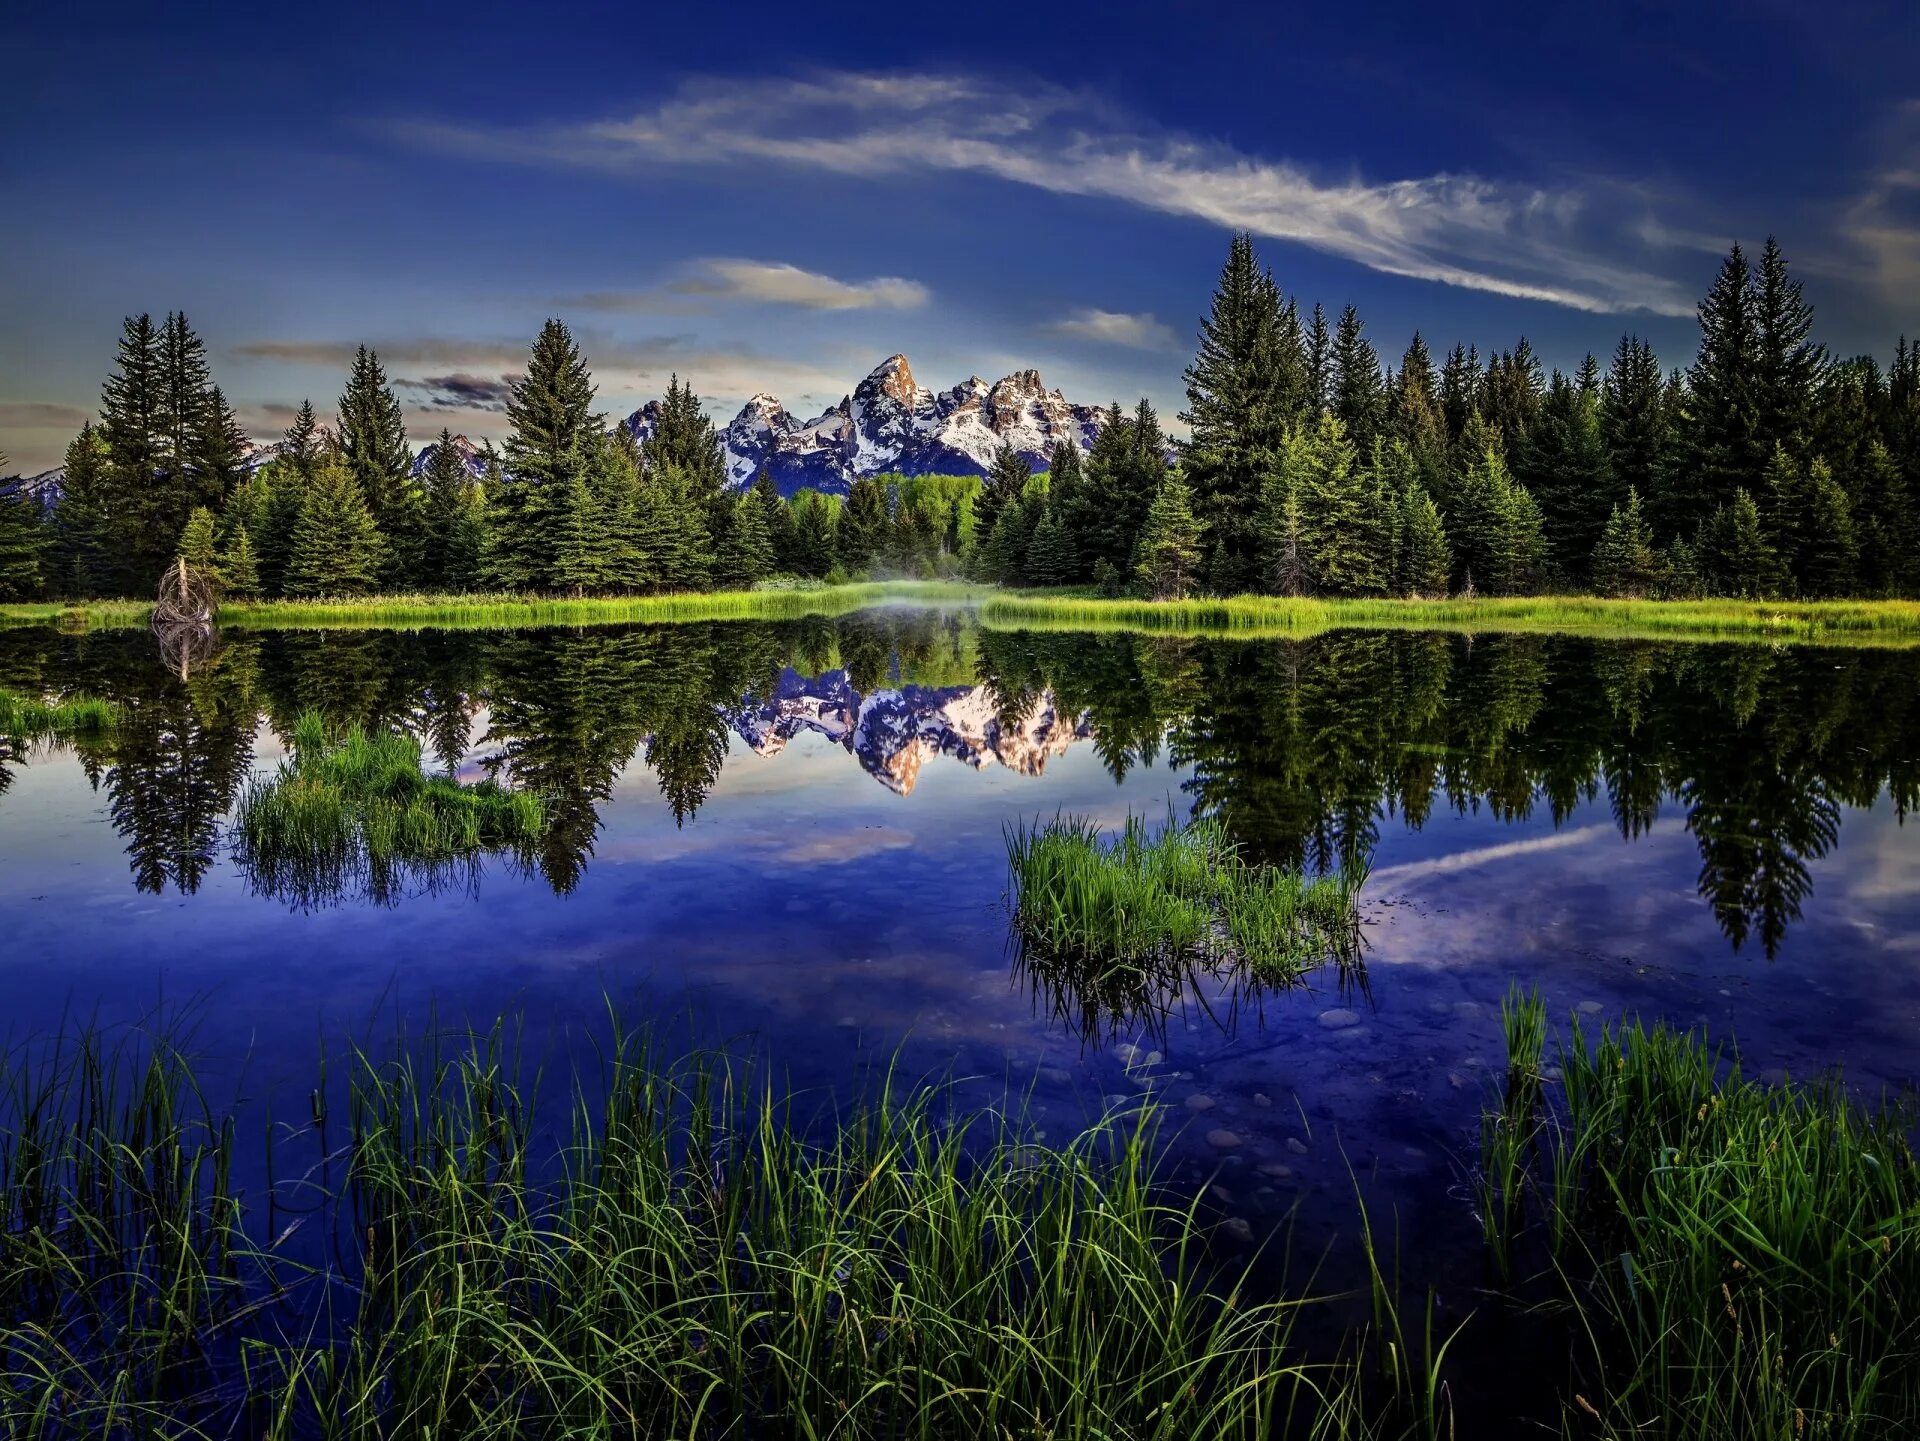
point(893, 378)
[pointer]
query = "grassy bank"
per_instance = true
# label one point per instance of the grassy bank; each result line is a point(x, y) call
point(1864, 622)
point(1876, 623)
point(27, 718)
point(684, 1263)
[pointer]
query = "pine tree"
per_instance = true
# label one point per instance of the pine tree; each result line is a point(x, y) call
point(1069, 496)
point(578, 562)
point(1170, 543)
point(1414, 416)
point(677, 524)
point(1734, 556)
point(746, 556)
point(82, 560)
point(684, 442)
point(552, 446)
point(1624, 563)
point(300, 447)
point(1423, 557)
point(864, 523)
point(777, 516)
point(448, 483)
point(198, 546)
point(1003, 489)
point(1344, 528)
point(1459, 391)
point(1003, 559)
point(1829, 563)
point(1359, 396)
point(1786, 516)
point(373, 445)
point(1511, 395)
point(23, 537)
point(1317, 347)
point(1051, 557)
point(221, 451)
point(1634, 424)
point(1787, 364)
point(1886, 522)
point(1281, 525)
point(813, 543)
point(1725, 450)
point(1495, 527)
point(1563, 465)
point(130, 416)
point(336, 546)
point(240, 574)
point(1246, 383)
point(186, 398)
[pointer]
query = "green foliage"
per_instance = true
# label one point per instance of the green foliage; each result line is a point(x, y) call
point(1498, 543)
point(28, 718)
point(1051, 558)
point(239, 571)
point(1733, 553)
point(82, 562)
point(372, 441)
point(23, 537)
point(1744, 1259)
point(816, 518)
point(1624, 563)
point(864, 526)
point(1003, 559)
point(1169, 555)
point(1565, 468)
point(335, 547)
point(198, 547)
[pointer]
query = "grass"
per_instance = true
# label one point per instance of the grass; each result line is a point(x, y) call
point(1739, 1259)
point(359, 808)
point(28, 718)
point(1874, 623)
point(1118, 923)
point(681, 1262)
point(1885, 623)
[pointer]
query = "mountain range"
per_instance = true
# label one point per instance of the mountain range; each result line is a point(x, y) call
point(888, 423)
point(893, 731)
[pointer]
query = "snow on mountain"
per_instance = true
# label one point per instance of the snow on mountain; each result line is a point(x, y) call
point(475, 458)
point(894, 731)
point(890, 422)
point(42, 489)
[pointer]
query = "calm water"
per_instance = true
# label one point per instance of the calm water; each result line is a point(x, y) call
point(788, 837)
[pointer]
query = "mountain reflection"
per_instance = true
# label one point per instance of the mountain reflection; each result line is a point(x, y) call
point(1304, 749)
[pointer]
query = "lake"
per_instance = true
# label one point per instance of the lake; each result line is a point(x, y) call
point(788, 838)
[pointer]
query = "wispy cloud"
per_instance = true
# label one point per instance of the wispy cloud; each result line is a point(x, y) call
point(1561, 244)
point(755, 282)
point(1114, 327)
point(1882, 223)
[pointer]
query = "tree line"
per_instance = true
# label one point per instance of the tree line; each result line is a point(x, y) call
point(1767, 467)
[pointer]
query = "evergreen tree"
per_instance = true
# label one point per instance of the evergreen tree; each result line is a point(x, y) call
point(1329, 514)
point(1003, 560)
point(373, 445)
point(1124, 470)
point(130, 420)
point(1786, 516)
point(186, 398)
point(1069, 496)
point(1511, 395)
point(22, 539)
point(1724, 443)
point(615, 485)
point(1734, 556)
point(285, 483)
point(1633, 420)
point(1051, 557)
point(1170, 542)
point(538, 517)
point(813, 542)
point(1564, 467)
point(676, 521)
point(1423, 557)
point(1317, 347)
point(684, 442)
point(1495, 527)
point(1414, 416)
point(747, 555)
point(864, 523)
point(222, 451)
point(1003, 489)
point(82, 560)
point(449, 487)
point(777, 517)
point(240, 574)
point(1886, 523)
point(336, 546)
point(301, 445)
point(198, 546)
point(1459, 391)
point(1624, 563)
point(1829, 562)
point(1359, 395)
point(1247, 382)
point(1787, 364)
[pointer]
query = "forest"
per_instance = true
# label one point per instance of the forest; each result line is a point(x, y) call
point(1766, 468)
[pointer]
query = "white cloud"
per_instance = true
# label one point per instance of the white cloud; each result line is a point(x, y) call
point(1113, 327)
point(756, 282)
point(1553, 244)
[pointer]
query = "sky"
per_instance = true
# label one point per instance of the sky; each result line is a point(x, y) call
point(776, 199)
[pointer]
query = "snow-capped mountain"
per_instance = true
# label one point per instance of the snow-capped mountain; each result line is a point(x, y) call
point(475, 458)
point(890, 422)
point(892, 732)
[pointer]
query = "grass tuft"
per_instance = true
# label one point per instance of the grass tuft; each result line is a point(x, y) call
point(27, 718)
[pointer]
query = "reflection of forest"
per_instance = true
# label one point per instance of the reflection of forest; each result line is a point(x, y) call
point(1301, 747)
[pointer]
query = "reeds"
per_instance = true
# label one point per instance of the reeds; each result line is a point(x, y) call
point(28, 718)
point(685, 1262)
point(1742, 1260)
point(1122, 915)
point(1871, 623)
point(359, 810)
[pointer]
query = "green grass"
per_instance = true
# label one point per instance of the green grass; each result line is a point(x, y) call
point(1883, 623)
point(358, 808)
point(1113, 926)
point(28, 718)
point(1874, 623)
point(1737, 1259)
point(681, 1261)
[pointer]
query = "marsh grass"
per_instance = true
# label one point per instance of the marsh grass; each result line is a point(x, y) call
point(1872, 623)
point(1736, 1259)
point(358, 810)
point(1122, 922)
point(27, 718)
point(682, 1261)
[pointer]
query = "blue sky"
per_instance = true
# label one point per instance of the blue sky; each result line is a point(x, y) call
point(777, 198)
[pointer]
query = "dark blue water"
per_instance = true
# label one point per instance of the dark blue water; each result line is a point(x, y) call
point(789, 838)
